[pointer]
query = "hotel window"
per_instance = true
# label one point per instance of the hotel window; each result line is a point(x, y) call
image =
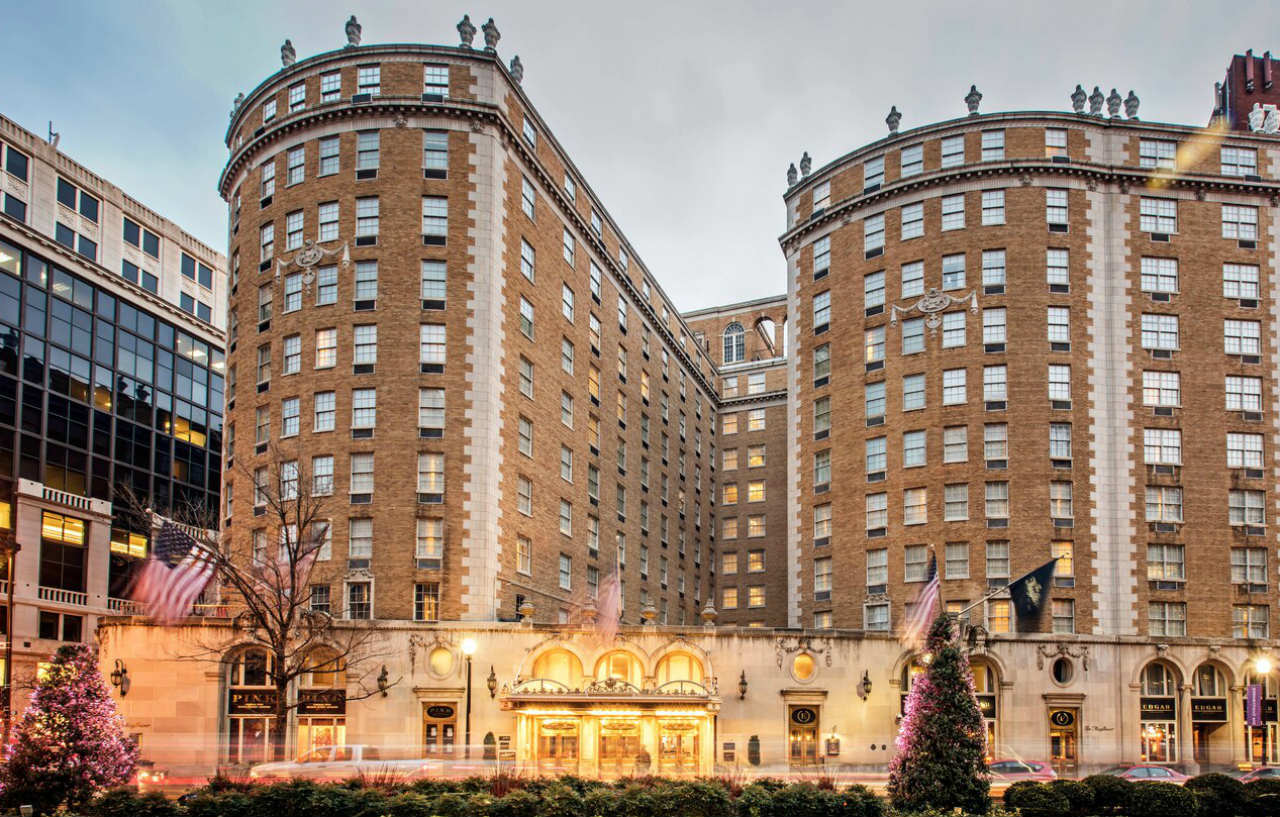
point(912, 220)
point(1060, 441)
point(755, 420)
point(435, 80)
point(1060, 501)
point(998, 561)
point(527, 196)
point(915, 506)
point(877, 453)
point(322, 477)
point(877, 567)
point(1057, 271)
point(1244, 450)
point(953, 386)
point(368, 79)
point(264, 365)
point(431, 345)
point(873, 290)
point(992, 145)
point(756, 529)
point(368, 144)
point(821, 521)
point(1239, 221)
point(268, 110)
point(913, 392)
point(1055, 142)
point(524, 555)
point(729, 598)
point(1159, 331)
point(567, 246)
point(995, 441)
point(953, 332)
point(728, 459)
point(821, 469)
point(364, 408)
point(1249, 566)
point(361, 474)
point(524, 436)
point(953, 271)
point(566, 517)
point(326, 285)
point(997, 501)
point(992, 207)
point(524, 495)
point(327, 216)
point(566, 572)
point(729, 530)
point(566, 410)
point(1164, 504)
point(729, 424)
point(296, 165)
point(822, 574)
point(1250, 620)
point(994, 383)
point(998, 616)
point(956, 502)
point(435, 219)
point(1159, 274)
point(360, 539)
point(1160, 389)
point(1165, 618)
point(873, 341)
point(1166, 563)
point(821, 195)
point(1059, 324)
point(955, 444)
point(821, 256)
point(957, 558)
point(913, 449)
point(993, 325)
point(1157, 153)
point(953, 151)
point(877, 512)
point(365, 344)
point(526, 377)
point(913, 279)
point(570, 188)
point(433, 280)
point(1239, 161)
point(729, 494)
point(1158, 215)
point(1242, 337)
point(1246, 508)
point(915, 563)
point(292, 292)
point(267, 241)
point(1244, 393)
point(873, 232)
point(426, 599)
point(755, 384)
point(875, 617)
point(953, 212)
point(912, 160)
point(1055, 205)
point(993, 268)
point(366, 218)
point(873, 173)
point(1059, 382)
point(821, 415)
point(435, 154)
point(289, 417)
point(1240, 281)
point(912, 336)
point(1064, 615)
point(821, 311)
point(526, 318)
point(329, 158)
point(325, 411)
point(430, 408)
point(875, 400)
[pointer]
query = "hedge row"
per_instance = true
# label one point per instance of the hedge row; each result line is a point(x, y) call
point(500, 797)
point(1209, 795)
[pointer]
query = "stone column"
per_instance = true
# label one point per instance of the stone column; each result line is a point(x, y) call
point(1186, 748)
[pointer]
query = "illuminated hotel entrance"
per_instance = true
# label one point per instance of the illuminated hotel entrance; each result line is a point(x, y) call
point(617, 722)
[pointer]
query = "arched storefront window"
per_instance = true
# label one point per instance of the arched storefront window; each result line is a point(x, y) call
point(621, 666)
point(735, 343)
point(561, 666)
point(1260, 740)
point(987, 686)
point(251, 704)
point(322, 702)
point(1210, 743)
point(679, 666)
point(1158, 709)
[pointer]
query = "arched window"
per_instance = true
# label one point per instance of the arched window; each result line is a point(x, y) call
point(735, 343)
point(1157, 679)
point(250, 693)
point(322, 702)
point(1209, 682)
point(620, 665)
point(679, 666)
point(559, 665)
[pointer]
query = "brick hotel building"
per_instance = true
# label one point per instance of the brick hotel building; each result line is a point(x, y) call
point(1004, 337)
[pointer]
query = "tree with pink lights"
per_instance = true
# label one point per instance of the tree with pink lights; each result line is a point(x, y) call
point(70, 742)
point(941, 744)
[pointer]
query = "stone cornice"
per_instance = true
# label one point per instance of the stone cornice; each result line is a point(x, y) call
point(778, 396)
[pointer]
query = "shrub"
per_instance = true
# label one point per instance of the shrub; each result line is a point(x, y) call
point(1110, 793)
point(227, 803)
point(599, 802)
point(125, 802)
point(408, 804)
point(1037, 800)
point(451, 804)
point(806, 800)
point(1264, 798)
point(869, 805)
point(1160, 800)
point(756, 800)
point(694, 799)
point(1013, 794)
point(517, 803)
point(1079, 796)
point(1220, 795)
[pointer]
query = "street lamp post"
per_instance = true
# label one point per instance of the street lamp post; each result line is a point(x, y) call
point(468, 649)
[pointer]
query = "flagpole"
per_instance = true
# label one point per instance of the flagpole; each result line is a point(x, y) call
point(1001, 589)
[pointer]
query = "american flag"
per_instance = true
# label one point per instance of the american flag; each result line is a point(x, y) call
point(609, 608)
point(921, 616)
point(167, 590)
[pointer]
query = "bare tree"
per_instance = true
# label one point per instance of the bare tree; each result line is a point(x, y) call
point(265, 583)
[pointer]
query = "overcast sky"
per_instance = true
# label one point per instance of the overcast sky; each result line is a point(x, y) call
point(682, 116)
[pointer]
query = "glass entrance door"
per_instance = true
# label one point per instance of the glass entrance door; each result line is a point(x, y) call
point(620, 751)
point(558, 747)
point(439, 730)
point(678, 750)
point(1064, 740)
point(804, 745)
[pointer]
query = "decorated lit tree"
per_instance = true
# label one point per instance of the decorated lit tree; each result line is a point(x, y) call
point(941, 744)
point(70, 742)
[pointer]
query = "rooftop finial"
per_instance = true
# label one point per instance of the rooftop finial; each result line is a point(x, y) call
point(517, 69)
point(972, 99)
point(1095, 101)
point(1131, 105)
point(1078, 98)
point(806, 164)
point(236, 103)
point(287, 55)
point(491, 35)
point(893, 119)
point(792, 175)
point(466, 31)
point(353, 29)
point(1113, 104)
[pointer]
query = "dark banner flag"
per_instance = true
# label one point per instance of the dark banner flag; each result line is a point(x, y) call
point(1030, 594)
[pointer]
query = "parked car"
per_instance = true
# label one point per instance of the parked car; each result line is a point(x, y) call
point(1261, 773)
point(343, 762)
point(1147, 773)
point(148, 777)
point(1011, 771)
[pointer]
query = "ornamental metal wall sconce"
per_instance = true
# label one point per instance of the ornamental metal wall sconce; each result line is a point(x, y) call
point(120, 678)
point(492, 682)
point(384, 681)
point(864, 686)
point(742, 686)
